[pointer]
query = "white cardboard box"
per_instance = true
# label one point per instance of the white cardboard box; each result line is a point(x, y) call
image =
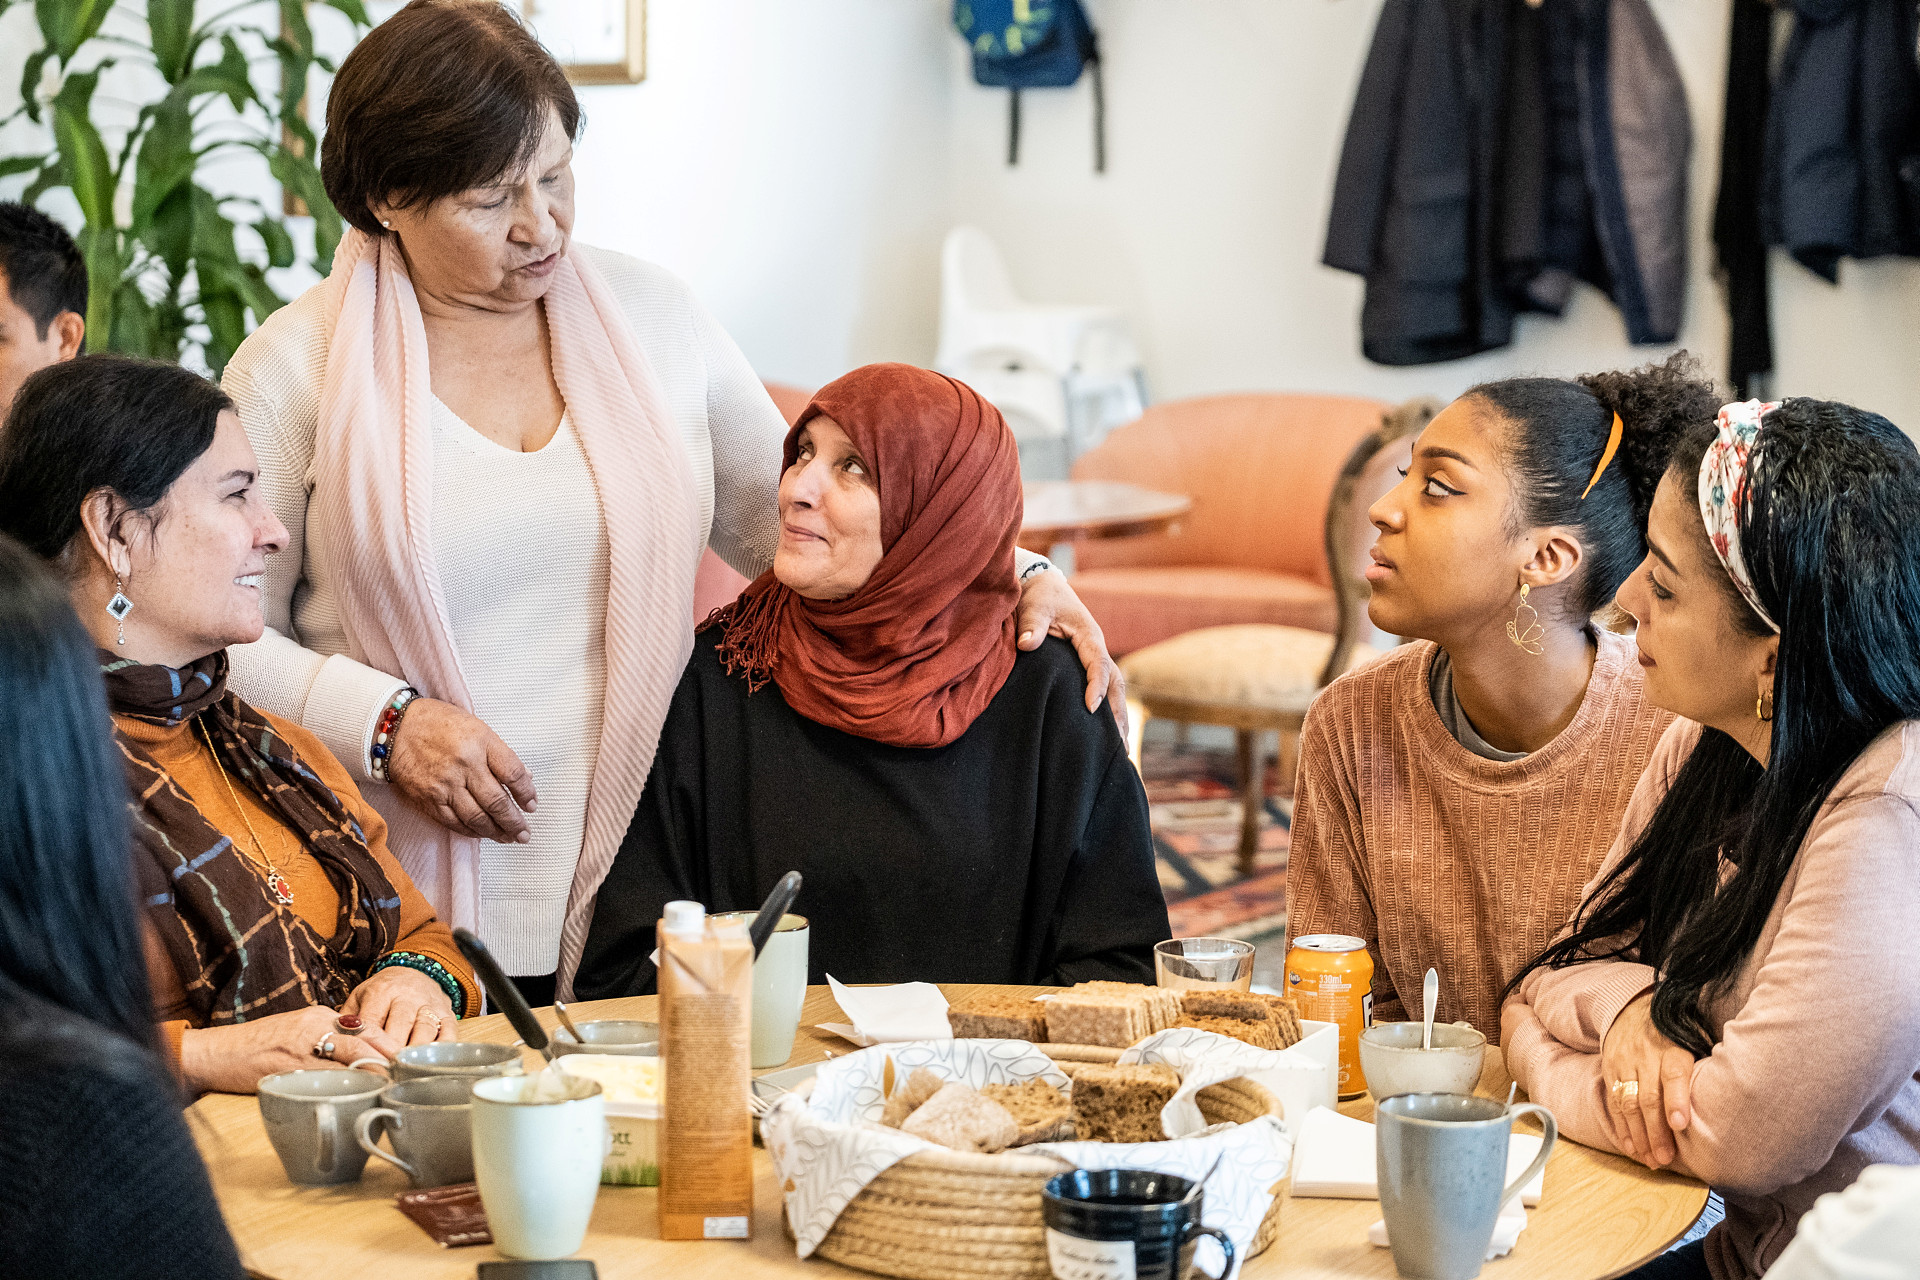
point(1301, 1090)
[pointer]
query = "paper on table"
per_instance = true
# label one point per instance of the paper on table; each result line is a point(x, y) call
point(1506, 1231)
point(1334, 1158)
point(882, 1015)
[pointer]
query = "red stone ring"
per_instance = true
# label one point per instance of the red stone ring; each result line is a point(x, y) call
point(348, 1024)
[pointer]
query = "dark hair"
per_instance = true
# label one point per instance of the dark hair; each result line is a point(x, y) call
point(1829, 485)
point(100, 422)
point(1557, 433)
point(443, 96)
point(69, 929)
point(45, 272)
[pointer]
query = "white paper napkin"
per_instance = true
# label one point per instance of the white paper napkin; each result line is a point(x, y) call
point(1506, 1231)
point(1335, 1158)
point(883, 1015)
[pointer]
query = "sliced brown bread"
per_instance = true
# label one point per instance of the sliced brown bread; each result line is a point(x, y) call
point(1285, 1016)
point(1261, 1032)
point(1122, 1103)
point(1162, 1006)
point(1223, 1004)
point(998, 1016)
point(1037, 1107)
point(1076, 1017)
point(919, 1087)
point(962, 1118)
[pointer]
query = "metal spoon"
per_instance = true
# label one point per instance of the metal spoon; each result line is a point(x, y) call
point(1194, 1190)
point(560, 1007)
point(1430, 993)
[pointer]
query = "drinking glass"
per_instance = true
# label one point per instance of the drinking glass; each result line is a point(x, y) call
point(1224, 963)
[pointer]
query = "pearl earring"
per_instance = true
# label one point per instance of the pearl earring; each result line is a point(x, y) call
point(386, 224)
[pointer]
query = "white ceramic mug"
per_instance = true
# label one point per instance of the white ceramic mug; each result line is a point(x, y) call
point(538, 1162)
point(779, 987)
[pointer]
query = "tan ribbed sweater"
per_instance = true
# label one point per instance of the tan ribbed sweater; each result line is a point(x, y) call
point(1435, 856)
point(1815, 1069)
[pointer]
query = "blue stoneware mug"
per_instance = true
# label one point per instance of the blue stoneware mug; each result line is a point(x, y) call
point(1105, 1224)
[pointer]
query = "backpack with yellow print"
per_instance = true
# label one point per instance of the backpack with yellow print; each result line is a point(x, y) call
point(1033, 44)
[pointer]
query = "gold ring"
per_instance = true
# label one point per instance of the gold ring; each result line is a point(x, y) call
point(1627, 1091)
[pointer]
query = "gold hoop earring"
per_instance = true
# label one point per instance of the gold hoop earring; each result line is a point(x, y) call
point(1526, 632)
point(1763, 707)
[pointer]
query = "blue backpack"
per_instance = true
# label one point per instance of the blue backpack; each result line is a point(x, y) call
point(1033, 44)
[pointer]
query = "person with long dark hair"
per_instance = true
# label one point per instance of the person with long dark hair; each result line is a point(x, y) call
point(1454, 796)
point(280, 930)
point(1738, 996)
point(98, 1175)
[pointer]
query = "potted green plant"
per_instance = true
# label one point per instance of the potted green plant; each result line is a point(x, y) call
point(162, 249)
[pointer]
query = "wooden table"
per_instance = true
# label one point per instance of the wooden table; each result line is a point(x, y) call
point(1601, 1215)
point(1069, 510)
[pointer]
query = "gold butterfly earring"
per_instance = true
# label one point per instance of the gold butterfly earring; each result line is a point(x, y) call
point(1525, 629)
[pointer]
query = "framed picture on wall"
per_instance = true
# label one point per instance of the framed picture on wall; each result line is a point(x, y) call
point(597, 41)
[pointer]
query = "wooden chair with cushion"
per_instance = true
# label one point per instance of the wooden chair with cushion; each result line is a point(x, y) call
point(1255, 677)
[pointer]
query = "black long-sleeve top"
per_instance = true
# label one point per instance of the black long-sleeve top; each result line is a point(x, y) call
point(1018, 853)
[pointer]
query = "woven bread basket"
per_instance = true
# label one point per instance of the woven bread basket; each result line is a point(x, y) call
point(954, 1215)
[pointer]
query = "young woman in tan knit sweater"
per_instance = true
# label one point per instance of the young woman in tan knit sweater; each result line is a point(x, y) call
point(1739, 996)
point(1455, 796)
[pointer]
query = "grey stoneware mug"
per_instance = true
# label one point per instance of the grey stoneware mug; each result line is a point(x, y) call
point(472, 1059)
point(430, 1123)
point(1442, 1159)
point(310, 1116)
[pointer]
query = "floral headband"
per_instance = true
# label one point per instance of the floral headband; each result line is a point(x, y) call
point(1723, 492)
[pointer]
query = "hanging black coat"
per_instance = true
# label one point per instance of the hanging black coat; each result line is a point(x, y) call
point(1843, 135)
point(1496, 154)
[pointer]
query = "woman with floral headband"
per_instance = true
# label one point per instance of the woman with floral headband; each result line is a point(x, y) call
point(1455, 796)
point(1739, 995)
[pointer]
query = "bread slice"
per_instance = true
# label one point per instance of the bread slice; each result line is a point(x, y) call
point(1285, 1015)
point(920, 1086)
point(962, 1118)
point(1261, 1032)
point(1162, 1005)
point(1223, 1004)
point(1041, 1111)
point(1076, 1017)
point(1122, 1103)
point(998, 1016)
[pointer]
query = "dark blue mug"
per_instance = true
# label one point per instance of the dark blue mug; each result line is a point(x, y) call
point(1103, 1224)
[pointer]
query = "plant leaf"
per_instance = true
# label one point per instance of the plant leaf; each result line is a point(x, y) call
point(170, 232)
point(19, 164)
point(353, 9)
point(133, 331)
point(273, 232)
point(30, 81)
point(52, 174)
point(166, 159)
point(170, 23)
point(68, 24)
point(83, 155)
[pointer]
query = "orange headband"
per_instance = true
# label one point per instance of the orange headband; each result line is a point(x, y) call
point(1613, 447)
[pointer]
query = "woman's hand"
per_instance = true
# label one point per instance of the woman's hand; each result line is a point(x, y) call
point(406, 1004)
point(454, 769)
point(1635, 1050)
point(233, 1059)
point(1048, 606)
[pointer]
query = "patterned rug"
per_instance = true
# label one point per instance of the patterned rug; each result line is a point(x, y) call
point(1194, 796)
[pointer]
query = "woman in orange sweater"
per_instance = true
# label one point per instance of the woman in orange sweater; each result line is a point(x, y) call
point(1455, 796)
point(279, 929)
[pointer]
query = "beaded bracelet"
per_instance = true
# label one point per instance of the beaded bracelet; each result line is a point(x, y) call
point(383, 732)
point(1037, 567)
point(456, 993)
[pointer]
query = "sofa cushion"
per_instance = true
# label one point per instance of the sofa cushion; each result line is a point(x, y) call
point(1140, 605)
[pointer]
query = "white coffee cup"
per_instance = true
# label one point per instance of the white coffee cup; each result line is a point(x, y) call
point(538, 1162)
point(779, 987)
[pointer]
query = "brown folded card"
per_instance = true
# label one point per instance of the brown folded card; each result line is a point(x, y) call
point(451, 1215)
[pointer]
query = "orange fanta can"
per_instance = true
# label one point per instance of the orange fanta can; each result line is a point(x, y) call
point(1330, 978)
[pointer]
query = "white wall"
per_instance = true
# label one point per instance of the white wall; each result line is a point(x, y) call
point(1225, 119)
point(799, 164)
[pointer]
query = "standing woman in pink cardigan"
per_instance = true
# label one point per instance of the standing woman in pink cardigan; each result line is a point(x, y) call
point(499, 454)
point(1739, 995)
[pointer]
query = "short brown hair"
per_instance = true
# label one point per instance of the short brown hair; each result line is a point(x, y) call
point(443, 96)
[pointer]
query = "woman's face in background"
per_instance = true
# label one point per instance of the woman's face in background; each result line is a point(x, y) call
point(829, 516)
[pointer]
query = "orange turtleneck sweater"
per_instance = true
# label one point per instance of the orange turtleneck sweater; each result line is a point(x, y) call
point(183, 754)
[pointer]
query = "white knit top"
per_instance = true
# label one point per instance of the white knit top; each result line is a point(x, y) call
point(521, 552)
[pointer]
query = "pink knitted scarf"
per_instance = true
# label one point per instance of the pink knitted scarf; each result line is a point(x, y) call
point(368, 524)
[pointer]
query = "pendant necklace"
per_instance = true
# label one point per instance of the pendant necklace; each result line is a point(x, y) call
point(276, 883)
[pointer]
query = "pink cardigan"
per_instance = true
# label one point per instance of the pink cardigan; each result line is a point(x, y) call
point(1816, 1041)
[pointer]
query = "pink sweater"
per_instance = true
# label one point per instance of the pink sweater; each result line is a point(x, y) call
point(1817, 1039)
point(1436, 856)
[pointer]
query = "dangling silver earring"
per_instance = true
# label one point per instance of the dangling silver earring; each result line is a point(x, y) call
point(119, 607)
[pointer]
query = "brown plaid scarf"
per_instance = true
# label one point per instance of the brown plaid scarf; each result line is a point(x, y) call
point(239, 953)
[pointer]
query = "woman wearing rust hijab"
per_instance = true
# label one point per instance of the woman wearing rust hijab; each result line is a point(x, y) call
point(861, 714)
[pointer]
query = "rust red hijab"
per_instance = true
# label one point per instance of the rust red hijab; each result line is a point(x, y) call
point(912, 657)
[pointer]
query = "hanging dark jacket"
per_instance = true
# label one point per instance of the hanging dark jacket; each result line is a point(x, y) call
point(1843, 135)
point(1496, 154)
